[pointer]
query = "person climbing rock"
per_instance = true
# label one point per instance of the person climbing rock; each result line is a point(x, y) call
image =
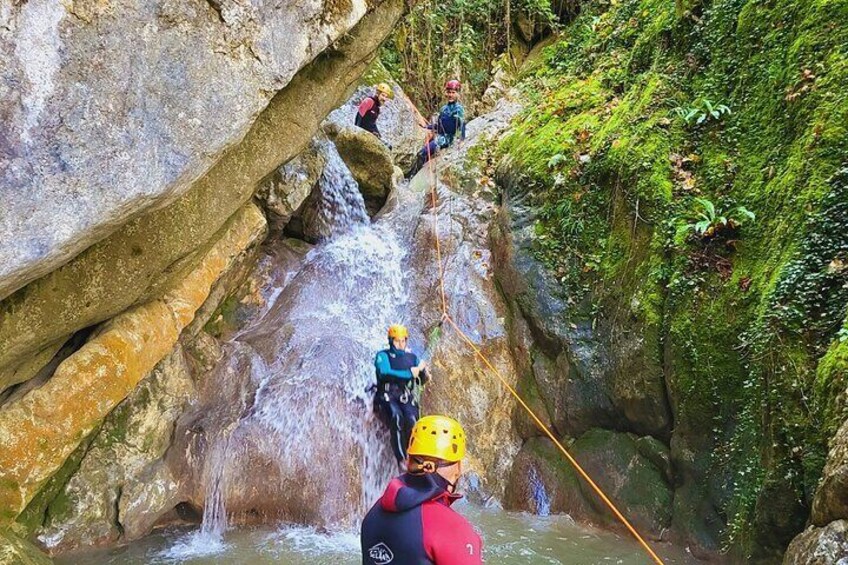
point(369, 109)
point(413, 523)
point(449, 124)
point(398, 373)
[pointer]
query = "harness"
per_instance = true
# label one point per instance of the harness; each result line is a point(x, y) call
point(389, 387)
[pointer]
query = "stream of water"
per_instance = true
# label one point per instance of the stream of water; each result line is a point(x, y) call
point(509, 539)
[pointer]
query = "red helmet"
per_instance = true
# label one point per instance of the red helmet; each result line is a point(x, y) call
point(453, 84)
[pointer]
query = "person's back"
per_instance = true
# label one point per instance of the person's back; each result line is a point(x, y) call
point(414, 524)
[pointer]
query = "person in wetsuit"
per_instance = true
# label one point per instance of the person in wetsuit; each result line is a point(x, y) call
point(448, 126)
point(398, 371)
point(413, 522)
point(369, 108)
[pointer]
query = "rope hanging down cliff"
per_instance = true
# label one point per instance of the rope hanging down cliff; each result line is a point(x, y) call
point(447, 318)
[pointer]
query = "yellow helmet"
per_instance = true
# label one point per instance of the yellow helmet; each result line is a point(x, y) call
point(439, 437)
point(398, 331)
point(384, 88)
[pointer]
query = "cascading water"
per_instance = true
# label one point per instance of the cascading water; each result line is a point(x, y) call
point(308, 448)
point(541, 499)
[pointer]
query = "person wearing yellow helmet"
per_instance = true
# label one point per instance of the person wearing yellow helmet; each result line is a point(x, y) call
point(413, 521)
point(398, 372)
point(369, 108)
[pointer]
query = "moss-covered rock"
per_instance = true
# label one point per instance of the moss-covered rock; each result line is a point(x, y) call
point(369, 161)
point(41, 429)
point(831, 502)
point(819, 546)
point(733, 344)
point(17, 551)
point(542, 482)
point(632, 481)
point(140, 258)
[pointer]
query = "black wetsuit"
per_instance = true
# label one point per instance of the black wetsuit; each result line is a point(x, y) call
point(367, 114)
point(394, 400)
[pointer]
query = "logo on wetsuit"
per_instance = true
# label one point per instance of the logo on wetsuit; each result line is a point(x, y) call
point(381, 554)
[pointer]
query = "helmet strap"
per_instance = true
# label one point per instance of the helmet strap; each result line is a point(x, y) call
point(427, 466)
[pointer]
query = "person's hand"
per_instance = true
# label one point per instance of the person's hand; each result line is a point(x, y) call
point(416, 371)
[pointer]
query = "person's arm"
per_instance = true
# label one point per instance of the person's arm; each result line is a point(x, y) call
point(460, 117)
point(384, 368)
point(448, 537)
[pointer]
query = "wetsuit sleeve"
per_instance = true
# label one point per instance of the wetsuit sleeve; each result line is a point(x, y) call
point(365, 106)
point(384, 368)
point(460, 116)
point(448, 537)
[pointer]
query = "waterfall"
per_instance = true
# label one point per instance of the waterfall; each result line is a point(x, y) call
point(540, 496)
point(307, 447)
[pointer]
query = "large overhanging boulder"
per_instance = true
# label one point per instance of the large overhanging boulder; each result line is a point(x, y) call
point(136, 261)
point(111, 109)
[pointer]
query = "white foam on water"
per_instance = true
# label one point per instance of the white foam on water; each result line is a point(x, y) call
point(310, 541)
point(194, 545)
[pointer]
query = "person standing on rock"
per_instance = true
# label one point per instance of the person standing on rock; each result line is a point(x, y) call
point(369, 109)
point(398, 372)
point(449, 124)
point(413, 521)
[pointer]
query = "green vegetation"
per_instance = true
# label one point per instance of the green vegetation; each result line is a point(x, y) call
point(708, 222)
point(702, 111)
point(623, 141)
point(462, 39)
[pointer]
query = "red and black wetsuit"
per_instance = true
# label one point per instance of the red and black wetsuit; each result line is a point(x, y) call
point(413, 524)
point(366, 116)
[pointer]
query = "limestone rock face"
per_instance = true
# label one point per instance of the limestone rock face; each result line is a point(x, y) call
point(820, 546)
point(369, 161)
point(109, 109)
point(16, 551)
point(41, 429)
point(831, 501)
point(145, 255)
point(285, 190)
point(120, 487)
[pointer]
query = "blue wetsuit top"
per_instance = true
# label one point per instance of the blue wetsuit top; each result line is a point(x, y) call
point(393, 365)
point(451, 122)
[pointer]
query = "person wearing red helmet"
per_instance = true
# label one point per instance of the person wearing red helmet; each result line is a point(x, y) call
point(449, 124)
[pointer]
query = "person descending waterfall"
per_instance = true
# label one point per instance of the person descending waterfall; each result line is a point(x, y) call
point(369, 109)
point(413, 523)
point(398, 372)
point(449, 124)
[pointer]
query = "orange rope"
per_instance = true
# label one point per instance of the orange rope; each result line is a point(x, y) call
point(446, 317)
point(434, 201)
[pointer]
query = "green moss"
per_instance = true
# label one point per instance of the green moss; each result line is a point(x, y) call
point(745, 334)
point(52, 493)
point(15, 550)
point(831, 383)
point(224, 317)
